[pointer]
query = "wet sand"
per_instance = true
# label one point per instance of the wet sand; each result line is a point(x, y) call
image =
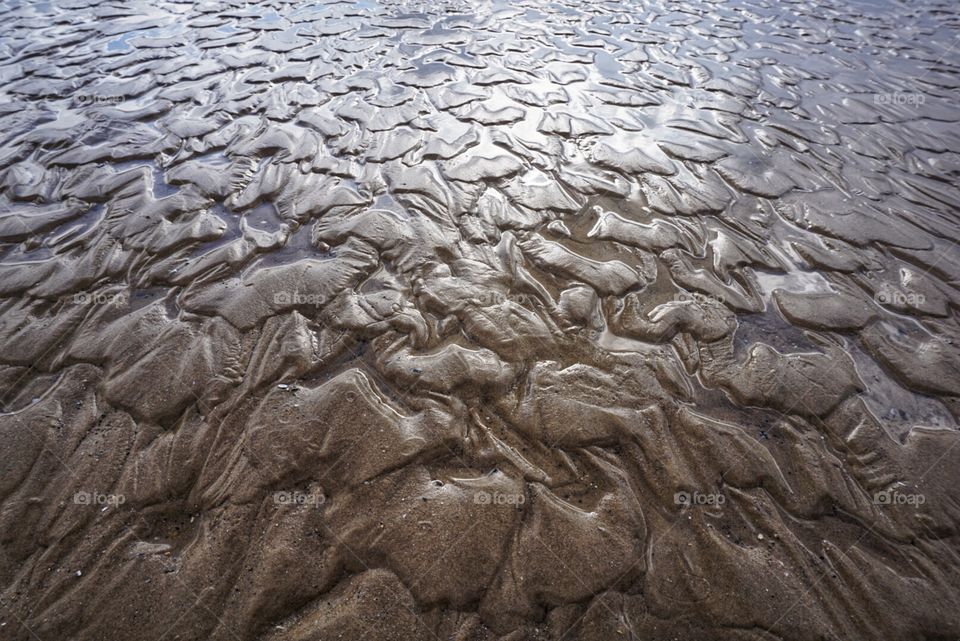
point(446, 320)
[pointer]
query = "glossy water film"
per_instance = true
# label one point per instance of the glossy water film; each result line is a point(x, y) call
point(528, 320)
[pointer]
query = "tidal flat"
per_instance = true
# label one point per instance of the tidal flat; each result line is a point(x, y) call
point(475, 321)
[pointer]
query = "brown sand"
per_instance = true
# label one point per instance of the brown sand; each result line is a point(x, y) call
point(466, 321)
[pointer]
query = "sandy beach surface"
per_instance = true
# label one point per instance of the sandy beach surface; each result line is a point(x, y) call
point(473, 321)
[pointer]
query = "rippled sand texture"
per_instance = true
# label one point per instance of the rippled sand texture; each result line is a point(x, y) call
point(441, 320)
